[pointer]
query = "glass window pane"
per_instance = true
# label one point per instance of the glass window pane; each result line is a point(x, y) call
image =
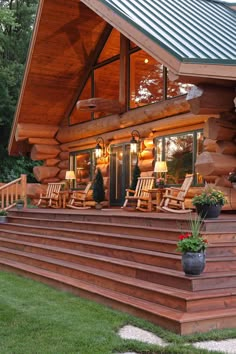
point(83, 168)
point(146, 79)
point(106, 84)
point(199, 150)
point(82, 116)
point(112, 46)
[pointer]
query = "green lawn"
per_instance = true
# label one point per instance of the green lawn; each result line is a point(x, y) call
point(36, 319)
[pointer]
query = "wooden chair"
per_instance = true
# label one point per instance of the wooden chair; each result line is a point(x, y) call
point(78, 199)
point(173, 199)
point(52, 196)
point(140, 194)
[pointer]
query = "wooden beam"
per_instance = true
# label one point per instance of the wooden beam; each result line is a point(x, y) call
point(123, 89)
point(31, 130)
point(99, 105)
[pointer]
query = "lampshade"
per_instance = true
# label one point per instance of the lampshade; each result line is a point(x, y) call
point(160, 166)
point(70, 175)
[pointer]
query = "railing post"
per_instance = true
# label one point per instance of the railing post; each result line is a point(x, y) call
point(24, 189)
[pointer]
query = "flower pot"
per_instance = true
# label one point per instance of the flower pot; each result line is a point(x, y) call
point(3, 219)
point(193, 263)
point(208, 211)
point(19, 206)
point(234, 185)
point(98, 206)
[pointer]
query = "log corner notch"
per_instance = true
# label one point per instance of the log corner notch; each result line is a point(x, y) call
point(99, 105)
point(211, 99)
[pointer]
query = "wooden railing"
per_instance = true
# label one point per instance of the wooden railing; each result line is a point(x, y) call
point(13, 191)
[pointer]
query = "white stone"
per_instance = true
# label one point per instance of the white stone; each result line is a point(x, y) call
point(131, 332)
point(224, 346)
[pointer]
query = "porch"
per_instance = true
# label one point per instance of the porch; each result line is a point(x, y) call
point(127, 260)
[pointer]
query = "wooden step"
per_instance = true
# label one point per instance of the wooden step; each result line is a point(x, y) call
point(159, 259)
point(142, 242)
point(178, 299)
point(174, 320)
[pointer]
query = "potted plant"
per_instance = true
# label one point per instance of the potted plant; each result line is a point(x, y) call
point(160, 182)
point(98, 189)
point(135, 176)
point(232, 178)
point(20, 204)
point(192, 246)
point(3, 216)
point(209, 203)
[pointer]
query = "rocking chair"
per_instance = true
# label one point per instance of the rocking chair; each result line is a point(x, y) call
point(140, 194)
point(173, 199)
point(51, 197)
point(78, 199)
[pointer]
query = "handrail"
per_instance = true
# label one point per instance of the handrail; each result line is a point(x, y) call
point(12, 191)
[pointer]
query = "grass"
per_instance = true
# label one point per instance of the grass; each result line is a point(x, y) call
point(37, 319)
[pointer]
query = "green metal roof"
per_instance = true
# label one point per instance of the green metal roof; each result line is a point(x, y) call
point(191, 30)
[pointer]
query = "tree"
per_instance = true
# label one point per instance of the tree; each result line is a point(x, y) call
point(98, 187)
point(135, 176)
point(16, 23)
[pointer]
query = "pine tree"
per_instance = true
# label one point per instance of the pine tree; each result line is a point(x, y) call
point(98, 187)
point(136, 175)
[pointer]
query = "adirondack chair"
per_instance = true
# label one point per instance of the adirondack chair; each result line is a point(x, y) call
point(173, 199)
point(78, 198)
point(140, 193)
point(52, 196)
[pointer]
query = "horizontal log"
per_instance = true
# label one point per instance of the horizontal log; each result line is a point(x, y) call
point(99, 105)
point(226, 147)
point(222, 181)
point(64, 155)
point(104, 169)
point(147, 154)
point(218, 129)
point(39, 156)
point(62, 174)
point(43, 152)
point(146, 131)
point(210, 99)
point(64, 165)
point(50, 180)
point(42, 141)
point(51, 162)
point(148, 143)
point(88, 129)
point(146, 165)
point(209, 145)
point(31, 130)
point(42, 172)
point(212, 163)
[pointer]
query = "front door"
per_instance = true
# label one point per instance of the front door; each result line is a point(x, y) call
point(121, 169)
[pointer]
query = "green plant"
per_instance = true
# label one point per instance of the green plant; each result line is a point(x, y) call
point(98, 187)
point(3, 212)
point(192, 241)
point(135, 176)
point(209, 196)
point(20, 201)
point(160, 181)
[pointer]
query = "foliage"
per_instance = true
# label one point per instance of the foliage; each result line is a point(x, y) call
point(209, 196)
point(135, 176)
point(16, 23)
point(98, 187)
point(192, 241)
point(3, 212)
point(160, 181)
point(20, 201)
point(232, 177)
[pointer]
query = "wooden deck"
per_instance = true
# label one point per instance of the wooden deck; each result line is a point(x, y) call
point(127, 260)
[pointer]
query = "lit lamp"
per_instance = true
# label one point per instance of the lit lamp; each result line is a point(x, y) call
point(99, 150)
point(70, 176)
point(161, 167)
point(134, 142)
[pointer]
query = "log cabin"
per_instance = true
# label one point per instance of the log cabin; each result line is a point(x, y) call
point(101, 70)
point(105, 73)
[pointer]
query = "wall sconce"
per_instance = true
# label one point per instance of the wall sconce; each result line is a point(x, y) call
point(70, 176)
point(100, 150)
point(134, 142)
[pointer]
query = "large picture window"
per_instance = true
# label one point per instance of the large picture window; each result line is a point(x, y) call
point(180, 152)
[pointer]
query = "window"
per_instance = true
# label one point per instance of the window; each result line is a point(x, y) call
point(82, 162)
point(180, 152)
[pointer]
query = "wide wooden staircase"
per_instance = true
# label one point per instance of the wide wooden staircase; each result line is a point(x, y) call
point(127, 261)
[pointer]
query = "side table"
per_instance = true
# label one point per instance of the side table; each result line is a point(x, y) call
point(158, 192)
